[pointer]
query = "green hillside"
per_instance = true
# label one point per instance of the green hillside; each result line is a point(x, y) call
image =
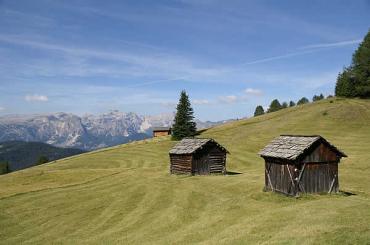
point(124, 194)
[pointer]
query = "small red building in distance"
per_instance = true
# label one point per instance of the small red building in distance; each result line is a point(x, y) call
point(161, 131)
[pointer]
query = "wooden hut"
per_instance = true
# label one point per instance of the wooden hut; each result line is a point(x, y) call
point(198, 156)
point(297, 164)
point(161, 131)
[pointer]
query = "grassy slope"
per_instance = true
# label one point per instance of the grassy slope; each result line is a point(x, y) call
point(125, 194)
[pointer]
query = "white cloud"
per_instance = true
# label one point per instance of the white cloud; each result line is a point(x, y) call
point(308, 49)
point(329, 45)
point(252, 91)
point(168, 104)
point(200, 102)
point(36, 97)
point(78, 63)
point(229, 99)
point(2, 108)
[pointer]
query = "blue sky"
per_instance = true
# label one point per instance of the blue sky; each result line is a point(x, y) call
point(95, 56)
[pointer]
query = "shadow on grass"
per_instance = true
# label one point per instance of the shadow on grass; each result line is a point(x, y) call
point(346, 193)
point(232, 173)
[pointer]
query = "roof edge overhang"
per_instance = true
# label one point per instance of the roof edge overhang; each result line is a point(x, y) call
point(212, 141)
point(309, 149)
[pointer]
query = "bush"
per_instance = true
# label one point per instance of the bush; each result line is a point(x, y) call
point(302, 101)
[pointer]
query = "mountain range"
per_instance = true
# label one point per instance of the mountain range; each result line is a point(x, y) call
point(86, 132)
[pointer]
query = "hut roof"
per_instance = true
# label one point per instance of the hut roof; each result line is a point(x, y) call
point(161, 128)
point(292, 147)
point(191, 145)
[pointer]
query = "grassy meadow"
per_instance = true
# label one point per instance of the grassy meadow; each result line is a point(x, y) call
point(125, 194)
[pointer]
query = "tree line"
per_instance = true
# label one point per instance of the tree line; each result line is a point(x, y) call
point(4, 165)
point(275, 105)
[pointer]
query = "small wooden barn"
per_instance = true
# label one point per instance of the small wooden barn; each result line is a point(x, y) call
point(198, 156)
point(161, 131)
point(297, 164)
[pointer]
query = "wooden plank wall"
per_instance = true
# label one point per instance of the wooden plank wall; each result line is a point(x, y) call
point(281, 179)
point(200, 164)
point(180, 164)
point(318, 178)
point(322, 153)
point(211, 160)
point(217, 161)
point(160, 133)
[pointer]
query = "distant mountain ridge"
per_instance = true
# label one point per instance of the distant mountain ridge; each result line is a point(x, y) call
point(88, 132)
point(20, 155)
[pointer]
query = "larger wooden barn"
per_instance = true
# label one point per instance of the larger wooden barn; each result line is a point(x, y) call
point(198, 156)
point(297, 164)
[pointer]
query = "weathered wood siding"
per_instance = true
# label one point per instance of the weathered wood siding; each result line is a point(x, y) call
point(320, 178)
point(210, 160)
point(315, 173)
point(217, 161)
point(160, 133)
point(280, 178)
point(181, 164)
point(321, 154)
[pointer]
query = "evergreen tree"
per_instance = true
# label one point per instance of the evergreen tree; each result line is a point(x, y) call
point(274, 106)
point(318, 97)
point(354, 81)
point(284, 105)
point(42, 160)
point(302, 101)
point(361, 68)
point(4, 168)
point(259, 111)
point(184, 125)
point(291, 103)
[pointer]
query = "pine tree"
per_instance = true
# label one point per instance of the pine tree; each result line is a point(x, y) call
point(274, 106)
point(42, 160)
point(291, 103)
point(183, 126)
point(302, 101)
point(361, 68)
point(354, 81)
point(284, 105)
point(259, 111)
point(4, 167)
point(318, 97)
point(345, 85)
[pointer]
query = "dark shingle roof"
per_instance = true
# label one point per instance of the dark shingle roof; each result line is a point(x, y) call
point(291, 147)
point(161, 129)
point(191, 145)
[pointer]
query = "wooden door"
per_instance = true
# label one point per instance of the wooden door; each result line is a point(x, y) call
point(201, 165)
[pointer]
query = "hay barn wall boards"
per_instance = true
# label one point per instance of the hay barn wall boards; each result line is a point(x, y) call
point(161, 131)
point(297, 164)
point(198, 156)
